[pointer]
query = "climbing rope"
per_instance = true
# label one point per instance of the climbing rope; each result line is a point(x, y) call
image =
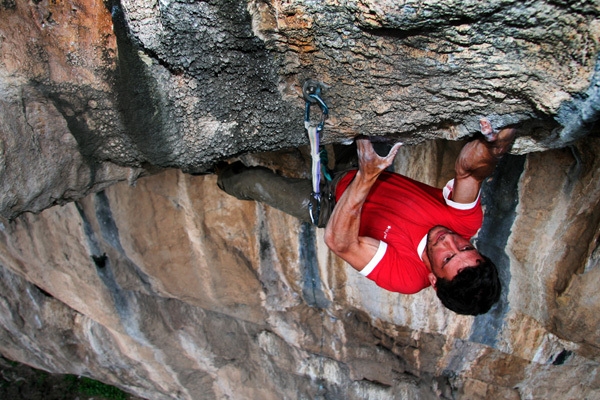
point(312, 95)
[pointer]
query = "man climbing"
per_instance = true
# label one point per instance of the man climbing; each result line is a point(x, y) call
point(400, 233)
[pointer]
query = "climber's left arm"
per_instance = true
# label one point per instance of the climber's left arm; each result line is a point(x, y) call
point(342, 231)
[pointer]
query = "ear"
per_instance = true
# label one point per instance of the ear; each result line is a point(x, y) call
point(432, 280)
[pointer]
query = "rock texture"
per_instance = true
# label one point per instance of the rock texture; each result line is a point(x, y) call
point(107, 91)
point(170, 289)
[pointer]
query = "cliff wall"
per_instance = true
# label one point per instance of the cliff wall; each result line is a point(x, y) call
point(121, 259)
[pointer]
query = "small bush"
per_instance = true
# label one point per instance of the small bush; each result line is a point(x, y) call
point(91, 387)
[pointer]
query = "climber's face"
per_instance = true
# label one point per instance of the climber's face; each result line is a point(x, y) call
point(447, 253)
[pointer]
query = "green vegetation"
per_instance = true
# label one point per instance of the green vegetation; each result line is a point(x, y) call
point(90, 387)
point(20, 382)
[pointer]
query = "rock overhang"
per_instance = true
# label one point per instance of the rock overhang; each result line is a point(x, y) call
point(185, 85)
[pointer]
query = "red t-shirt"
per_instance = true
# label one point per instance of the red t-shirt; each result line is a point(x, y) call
point(399, 212)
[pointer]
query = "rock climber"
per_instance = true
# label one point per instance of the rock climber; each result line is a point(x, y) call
point(402, 234)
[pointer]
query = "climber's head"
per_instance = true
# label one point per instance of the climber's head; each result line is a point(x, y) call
point(465, 281)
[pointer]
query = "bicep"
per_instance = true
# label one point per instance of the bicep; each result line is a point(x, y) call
point(360, 253)
point(466, 189)
point(472, 166)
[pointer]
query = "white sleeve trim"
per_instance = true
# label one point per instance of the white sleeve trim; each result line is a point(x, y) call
point(421, 247)
point(375, 260)
point(459, 206)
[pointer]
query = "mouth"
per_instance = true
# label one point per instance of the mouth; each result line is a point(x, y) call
point(440, 236)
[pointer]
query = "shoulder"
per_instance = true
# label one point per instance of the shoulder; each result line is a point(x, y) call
point(399, 271)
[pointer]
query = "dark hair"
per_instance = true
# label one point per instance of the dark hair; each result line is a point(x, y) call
point(473, 291)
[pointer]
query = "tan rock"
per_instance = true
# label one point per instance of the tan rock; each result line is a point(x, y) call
point(168, 288)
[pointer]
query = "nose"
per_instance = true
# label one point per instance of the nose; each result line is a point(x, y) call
point(449, 240)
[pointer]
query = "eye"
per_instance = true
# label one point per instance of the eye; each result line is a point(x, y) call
point(467, 248)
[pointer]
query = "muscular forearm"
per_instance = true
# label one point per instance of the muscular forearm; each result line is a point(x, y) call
point(479, 157)
point(341, 233)
point(343, 228)
point(476, 162)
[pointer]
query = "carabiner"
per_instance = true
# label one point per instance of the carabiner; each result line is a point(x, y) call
point(312, 94)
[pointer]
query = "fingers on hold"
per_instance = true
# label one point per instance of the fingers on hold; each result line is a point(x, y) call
point(486, 126)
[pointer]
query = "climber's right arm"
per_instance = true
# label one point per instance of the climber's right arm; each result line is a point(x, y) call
point(477, 161)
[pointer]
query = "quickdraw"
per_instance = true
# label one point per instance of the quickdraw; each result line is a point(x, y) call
point(312, 95)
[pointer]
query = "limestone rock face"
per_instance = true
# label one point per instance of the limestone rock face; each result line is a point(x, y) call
point(165, 286)
point(107, 91)
point(172, 289)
